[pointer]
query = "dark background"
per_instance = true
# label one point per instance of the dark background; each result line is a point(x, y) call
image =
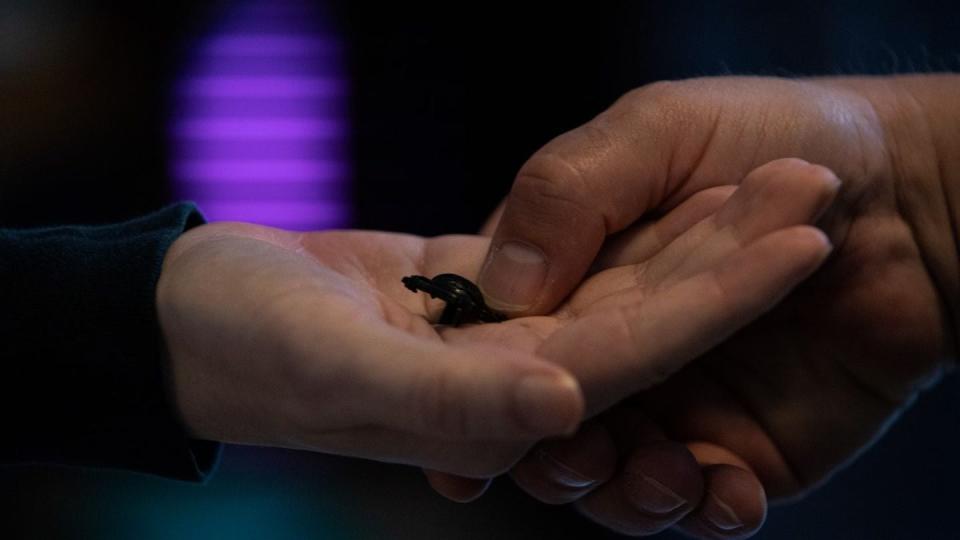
point(447, 103)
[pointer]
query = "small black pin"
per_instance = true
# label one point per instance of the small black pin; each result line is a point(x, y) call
point(464, 300)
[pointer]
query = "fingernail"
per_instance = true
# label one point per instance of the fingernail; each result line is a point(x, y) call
point(512, 277)
point(833, 187)
point(824, 238)
point(563, 474)
point(548, 404)
point(654, 497)
point(720, 515)
point(836, 182)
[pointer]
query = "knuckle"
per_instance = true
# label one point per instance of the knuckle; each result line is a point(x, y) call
point(654, 90)
point(563, 166)
point(552, 172)
point(539, 184)
point(560, 183)
point(665, 100)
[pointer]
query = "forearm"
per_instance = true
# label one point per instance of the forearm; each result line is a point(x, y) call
point(83, 357)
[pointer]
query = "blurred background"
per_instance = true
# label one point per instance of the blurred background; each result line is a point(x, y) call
point(311, 115)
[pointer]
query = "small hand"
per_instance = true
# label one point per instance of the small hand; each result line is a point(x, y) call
point(311, 341)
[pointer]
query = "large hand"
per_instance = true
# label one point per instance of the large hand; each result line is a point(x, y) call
point(798, 394)
point(311, 341)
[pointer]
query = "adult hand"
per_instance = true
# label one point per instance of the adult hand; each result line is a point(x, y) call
point(702, 232)
point(311, 341)
point(778, 408)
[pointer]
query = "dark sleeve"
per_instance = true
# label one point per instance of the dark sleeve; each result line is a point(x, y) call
point(83, 366)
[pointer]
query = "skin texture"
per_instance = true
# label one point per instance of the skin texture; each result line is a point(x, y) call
point(311, 341)
point(783, 404)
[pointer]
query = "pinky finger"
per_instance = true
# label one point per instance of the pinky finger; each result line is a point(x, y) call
point(734, 504)
point(658, 485)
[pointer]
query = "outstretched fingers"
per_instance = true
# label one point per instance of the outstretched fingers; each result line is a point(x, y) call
point(635, 340)
point(708, 227)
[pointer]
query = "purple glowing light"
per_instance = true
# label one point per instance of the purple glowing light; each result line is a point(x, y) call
point(222, 192)
point(274, 171)
point(260, 129)
point(270, 45)
point(250, 149)
point(271, 87)
point(298, 215)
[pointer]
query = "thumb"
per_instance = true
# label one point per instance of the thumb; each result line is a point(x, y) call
point(581, 187)
point(468, 393)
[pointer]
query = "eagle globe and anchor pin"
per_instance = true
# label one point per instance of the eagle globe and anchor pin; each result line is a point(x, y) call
point(464, 300)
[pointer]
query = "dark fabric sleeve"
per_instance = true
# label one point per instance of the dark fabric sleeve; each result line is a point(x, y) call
point(83, 365)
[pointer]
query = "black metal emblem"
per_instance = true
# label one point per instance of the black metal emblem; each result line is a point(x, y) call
point(464, 300)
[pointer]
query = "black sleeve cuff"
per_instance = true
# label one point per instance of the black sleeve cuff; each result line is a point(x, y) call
point(83, 379)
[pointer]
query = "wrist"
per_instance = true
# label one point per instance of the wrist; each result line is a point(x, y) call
point(937, 223)
point(919, 116)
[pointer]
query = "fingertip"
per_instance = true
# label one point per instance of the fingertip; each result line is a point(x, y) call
point(590, 455)
point(658, 485)
point(457, 488)
point(734, 504)
point(823, 243)
point(562, 471)
point(822, 238)
point(661, 478)
point(735, 500)
point(549, 403)
point(777, 194)
point(810, 243)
